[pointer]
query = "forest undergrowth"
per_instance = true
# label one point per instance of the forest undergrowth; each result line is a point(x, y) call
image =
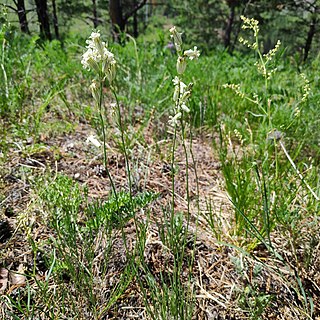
point(158, 182)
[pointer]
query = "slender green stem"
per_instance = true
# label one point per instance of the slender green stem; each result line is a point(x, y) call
point(124, 147)
point(173, 178)
point(123, 142)
point(105, 159)
point(187, 188)
point(198, 198)
point(297, 171)
point(263, 64)
point(196, 174)
point(187, 168)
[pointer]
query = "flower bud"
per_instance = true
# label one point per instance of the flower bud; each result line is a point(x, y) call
point(95, 90)
point(176, 38)
point(176, 93)
point(111, 72)
point(185, 96)
point(181, 65)
point(185, 108)
point(173, 121)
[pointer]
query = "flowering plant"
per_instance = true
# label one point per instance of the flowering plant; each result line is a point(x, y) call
point(98, 57)
point(182, 92)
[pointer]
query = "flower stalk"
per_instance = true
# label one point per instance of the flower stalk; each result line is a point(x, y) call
point(181, 95)
point(99, 59)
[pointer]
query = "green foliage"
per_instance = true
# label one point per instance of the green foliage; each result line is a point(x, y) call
point(83, 231)
point(203, 21)
point(48, 94)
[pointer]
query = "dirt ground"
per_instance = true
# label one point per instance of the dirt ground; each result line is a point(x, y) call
point(228, 283)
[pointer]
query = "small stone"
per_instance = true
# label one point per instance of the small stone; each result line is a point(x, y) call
point(70, 145)
point(77, 175)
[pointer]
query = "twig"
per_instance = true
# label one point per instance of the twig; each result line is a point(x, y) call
point(297, 170)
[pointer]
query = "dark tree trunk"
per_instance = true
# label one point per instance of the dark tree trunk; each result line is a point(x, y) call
point(118, 19)
point(55, 20)
point(311, 33)
point(116, 16)
point(22, 14)
point(95, 15)
point(43, 18)
point(135, 21)
point(237, 31)
point(227, 37)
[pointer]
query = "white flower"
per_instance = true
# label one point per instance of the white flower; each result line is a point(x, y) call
point(108, 55)
point(179, 88)
point(185, 96)
point(192, 54)
point(90, 60)
point(94, 42)
point(95, 35)
point(176, 93)
point(98, 57)
point(93, 140)
point(185, 108)
point(174, 121)
point(182, 87)
point(94, 85)
point(176, 80)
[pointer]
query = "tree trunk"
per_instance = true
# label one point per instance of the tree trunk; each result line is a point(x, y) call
point(227, 37)
point(55, 20)
point(22, 14)
point(311, 33)
point(43, 18)
point(135, 21)
point(237, 31)
point(95, 15)
point(116, 16)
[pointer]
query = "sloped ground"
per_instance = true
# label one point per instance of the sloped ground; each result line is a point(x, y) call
point(228, 283)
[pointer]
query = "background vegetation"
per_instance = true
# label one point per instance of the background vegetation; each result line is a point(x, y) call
point(240, 238)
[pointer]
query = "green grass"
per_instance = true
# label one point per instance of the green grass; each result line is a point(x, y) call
point(271, 202)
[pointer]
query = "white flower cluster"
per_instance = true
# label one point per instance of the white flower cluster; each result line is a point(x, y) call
point(182, 92)
point(98, 57)
point(181, 95)
point(182, 56)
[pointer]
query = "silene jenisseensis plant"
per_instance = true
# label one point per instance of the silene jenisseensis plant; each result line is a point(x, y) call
point(178, 119)
point(102, 62)
point(182, 92)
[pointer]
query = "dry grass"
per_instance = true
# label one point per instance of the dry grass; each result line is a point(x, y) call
point(228, 282)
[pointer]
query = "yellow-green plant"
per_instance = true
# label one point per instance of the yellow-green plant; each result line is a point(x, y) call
point(258, 167)
point(263, 65)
